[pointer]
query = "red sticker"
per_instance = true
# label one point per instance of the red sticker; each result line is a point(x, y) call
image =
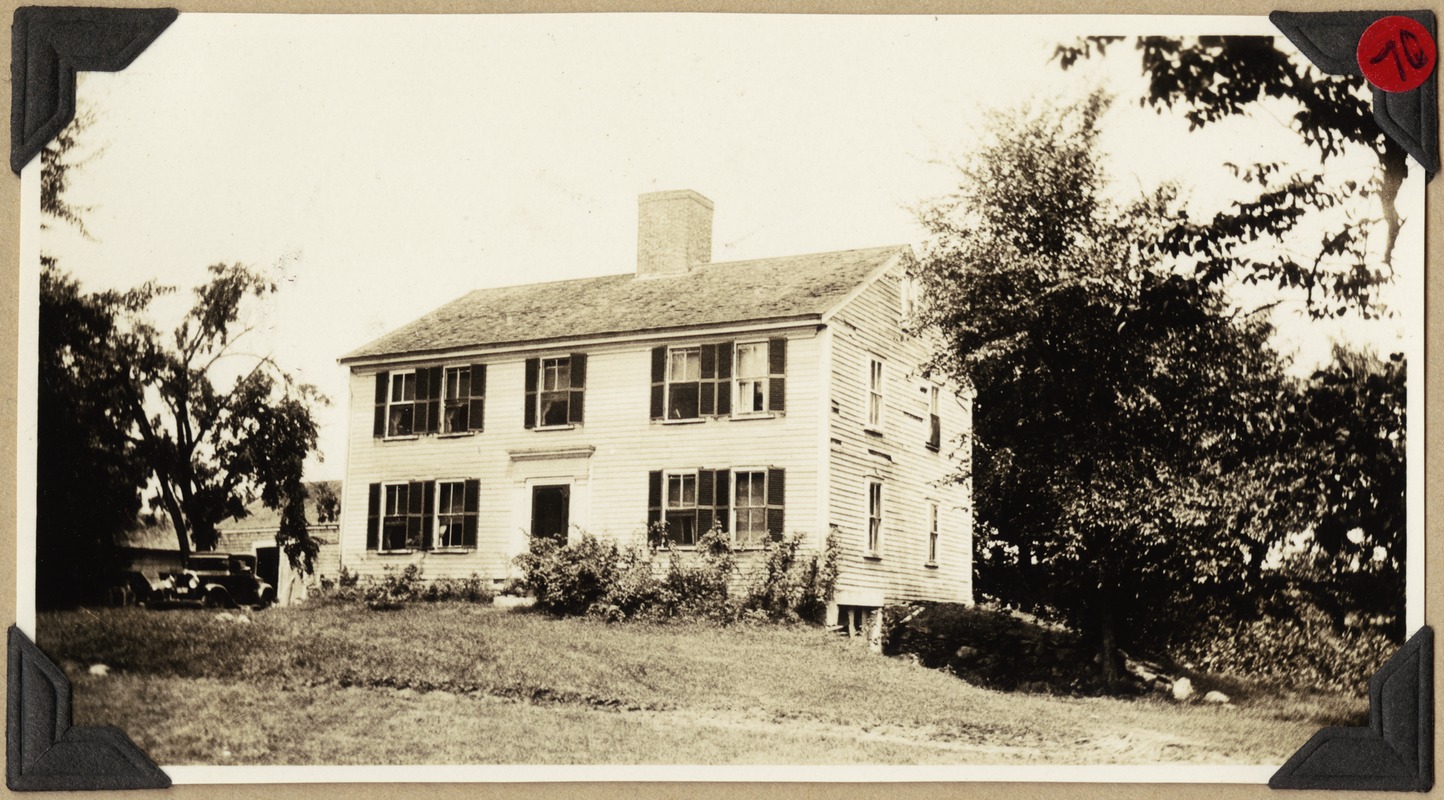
point(1396, 54)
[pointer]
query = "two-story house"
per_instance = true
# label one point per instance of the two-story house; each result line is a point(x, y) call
point(770, 397)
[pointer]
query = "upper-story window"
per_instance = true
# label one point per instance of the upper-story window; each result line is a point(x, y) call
point(719, 379)
point(753, 377)
point(908, 293)
point(684, 382)
point(875, 380)
point(554, 391)
point(935, 420)
point(430, 400)
point(401, 404)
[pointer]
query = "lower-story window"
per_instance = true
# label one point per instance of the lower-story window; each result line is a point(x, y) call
point(422, 515)
point(932, 532)
point(746, 503)
point(750, 507)
point(874, 517)
point(679, 513)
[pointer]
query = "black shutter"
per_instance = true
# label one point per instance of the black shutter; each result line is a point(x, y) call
point(724, 496)
point(533, 366)
point(373, 517)
point(579, 385)
point(420, 416)
point(724, 378)
point(471, 501)
point(775, 502)
point(378, 426)
point(706, 499)
point(654, 497)
point(935, 432)
point(707, 401)
point(414, 510)
point(659, 377)
point(476, 415)
point(777, 367)
point(428, 513)
point(433, 400)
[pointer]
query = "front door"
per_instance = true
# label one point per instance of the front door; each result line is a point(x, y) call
point(551, 511)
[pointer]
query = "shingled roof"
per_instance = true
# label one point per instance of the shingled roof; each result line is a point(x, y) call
point(793, 287)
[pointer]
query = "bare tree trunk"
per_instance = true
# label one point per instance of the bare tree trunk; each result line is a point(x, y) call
point(1109, 649)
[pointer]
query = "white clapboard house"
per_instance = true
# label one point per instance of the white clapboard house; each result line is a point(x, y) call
point(774, 397)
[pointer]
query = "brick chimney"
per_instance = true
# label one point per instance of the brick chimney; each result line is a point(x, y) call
point(674, 232)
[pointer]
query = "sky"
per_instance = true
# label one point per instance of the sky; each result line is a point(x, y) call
point(380, 166)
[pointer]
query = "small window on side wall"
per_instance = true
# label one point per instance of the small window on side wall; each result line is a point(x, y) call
point(874, 517)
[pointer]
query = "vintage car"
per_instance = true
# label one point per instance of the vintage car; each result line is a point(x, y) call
point(221, 580)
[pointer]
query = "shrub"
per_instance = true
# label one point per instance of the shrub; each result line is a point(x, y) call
point(791, 584)
point(395, 588)
point(567, 580)
point(472, 589)
point(698, 584)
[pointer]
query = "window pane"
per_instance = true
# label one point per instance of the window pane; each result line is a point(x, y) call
point(682, 401)
point(554, 407)
point(752, 360)
point(686, 365)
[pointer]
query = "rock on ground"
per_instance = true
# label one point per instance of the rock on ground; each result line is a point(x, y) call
point(1182, 689)
point(1216, 697)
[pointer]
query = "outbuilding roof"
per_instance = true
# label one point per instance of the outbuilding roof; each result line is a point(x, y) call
point(792, 287)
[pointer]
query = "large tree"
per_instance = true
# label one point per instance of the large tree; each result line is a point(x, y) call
point(1213, 79)
point(126, 408)
point(1120, 398)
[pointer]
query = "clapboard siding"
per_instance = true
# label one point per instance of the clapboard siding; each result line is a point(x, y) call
point(869, 325)
point(609, 488)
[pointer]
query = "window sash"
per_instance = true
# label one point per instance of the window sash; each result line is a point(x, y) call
point(451, 514)
point(874, 393)
point(752, 373)
point(394, 516)
point(932, 533)
point(874, 516)
point(749, 507)
point(682, 505)
point(684, 383)
point(401, 404)
point(554, 399)
point(456, 395)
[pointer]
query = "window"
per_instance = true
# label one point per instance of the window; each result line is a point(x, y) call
point(874, 517)
point(396, 518)
point(554, 391)
point(403, 516)
point(401, 404)
point(932, 532)
point(684, 382)
point(749, 507)
point(752, 377)
point(680, 511)
point(456, 399)
point(429, 400)
point(696, 381)
point(456, 512)
point(935, 425)
point(874, 393)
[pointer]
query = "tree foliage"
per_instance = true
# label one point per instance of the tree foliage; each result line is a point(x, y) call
point(125, 407)
point(1216, 78)
point(1120, 400)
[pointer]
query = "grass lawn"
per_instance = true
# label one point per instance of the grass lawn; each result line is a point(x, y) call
point(465, 684)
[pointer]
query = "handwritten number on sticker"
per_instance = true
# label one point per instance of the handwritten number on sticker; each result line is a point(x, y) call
point(1399, 42)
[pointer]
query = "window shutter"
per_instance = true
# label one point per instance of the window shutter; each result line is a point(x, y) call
point(471, 501)
point(428, 514)
point(935, 432)
point(777, 367)
point(533, 366)
point(724, 378)
point(476, 414)
point(775, 502)
point(413, 515)
point(654, 497)
point(659, 376)
point(433, 400)
point(706, 499)
point(420, 417)
point(724, 497)
point(378, 425)
point(373, 517)
point(579, 385)
point(707, 390)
